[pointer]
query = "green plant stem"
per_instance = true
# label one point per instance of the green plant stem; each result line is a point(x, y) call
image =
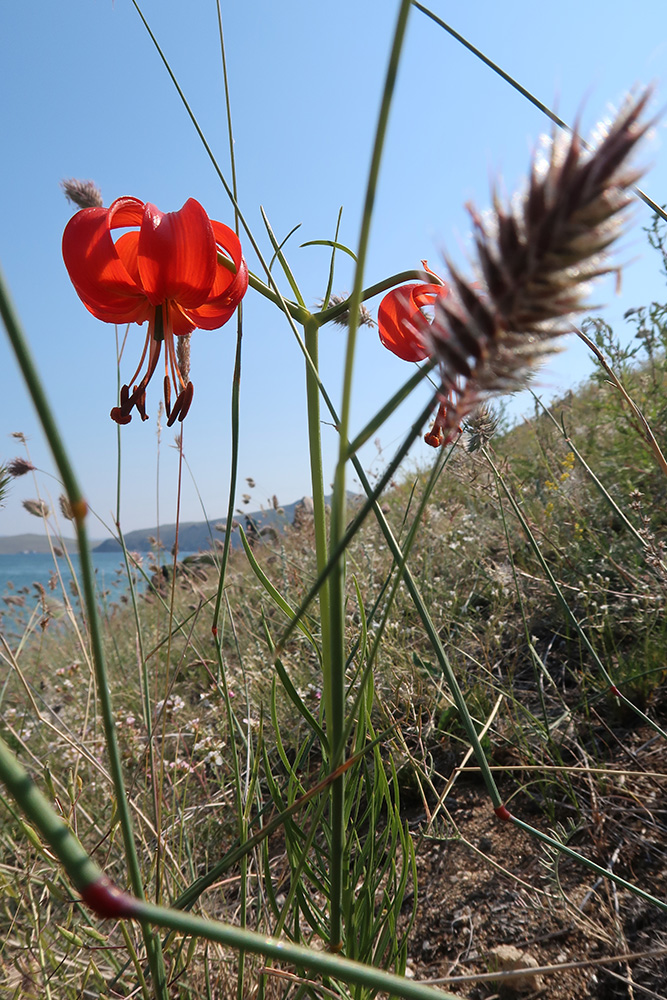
point(642, 423)
point(331, 695)
point(79, 508)
point(392, 404)
point(598, 869)
point(338, 507)
point(311, 334)
point(80, 868)
point(373, 494)
point(233, 478)
point(326, 315)
point(233, 472)
point(326, 964)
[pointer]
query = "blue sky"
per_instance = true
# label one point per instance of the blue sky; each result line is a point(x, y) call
point(85, 95)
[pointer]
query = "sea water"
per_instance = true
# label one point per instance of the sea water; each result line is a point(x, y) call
point(23, 575)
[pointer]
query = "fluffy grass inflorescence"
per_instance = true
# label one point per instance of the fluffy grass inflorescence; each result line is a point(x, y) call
point(365, 318)
point(535, 261)
point(83, 194)
point(19, 467)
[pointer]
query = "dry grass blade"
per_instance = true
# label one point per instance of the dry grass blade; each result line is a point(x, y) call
point(535, 260)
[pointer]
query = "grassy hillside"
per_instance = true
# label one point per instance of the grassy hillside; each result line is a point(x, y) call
point(539, 553)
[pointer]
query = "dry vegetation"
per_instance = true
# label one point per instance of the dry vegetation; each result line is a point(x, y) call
point(199, 744)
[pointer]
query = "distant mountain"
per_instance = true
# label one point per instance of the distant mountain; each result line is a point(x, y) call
point(196, 536)
point(193, 536)
point(12, 545)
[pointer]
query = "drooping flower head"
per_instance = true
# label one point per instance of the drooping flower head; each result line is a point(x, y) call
point(176, 270)
point(402, 324)
point(401, 320)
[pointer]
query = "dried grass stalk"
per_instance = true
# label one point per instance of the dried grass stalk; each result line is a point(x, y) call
point(536, 260)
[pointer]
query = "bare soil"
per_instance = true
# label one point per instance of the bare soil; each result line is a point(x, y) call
point(492, 898)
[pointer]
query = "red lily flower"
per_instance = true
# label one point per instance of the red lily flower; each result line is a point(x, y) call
point(401, 323)
point(400, 318)
point(168, 271)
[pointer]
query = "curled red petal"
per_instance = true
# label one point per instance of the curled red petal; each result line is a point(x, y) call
point(177, 255)
point(400, 317)
point(127, 247)
point(228, 288)
point(98, 273)
point(125, 211)
point(227, 240)
point(178, 321)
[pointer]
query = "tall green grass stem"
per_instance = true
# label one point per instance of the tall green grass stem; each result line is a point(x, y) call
point(319, 505)
point(607, 873)
point(233, 472)
point(589, 472)
point(643, 424)
point(338, 506)
point(79, 507)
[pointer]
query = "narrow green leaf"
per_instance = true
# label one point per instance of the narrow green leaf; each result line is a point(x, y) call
point(286, 608)
point(331, 243)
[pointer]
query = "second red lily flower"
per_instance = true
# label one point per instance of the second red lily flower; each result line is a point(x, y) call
point(401, 320)
point(402, 325)
point(169, 271)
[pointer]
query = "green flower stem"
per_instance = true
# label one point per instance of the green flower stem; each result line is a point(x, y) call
point(326, 623)
point(326, 315)
point(373, 494)
point(311, 333)
point(233, 476)
point(79, 509)
point(301, 314)
point(336, 722)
